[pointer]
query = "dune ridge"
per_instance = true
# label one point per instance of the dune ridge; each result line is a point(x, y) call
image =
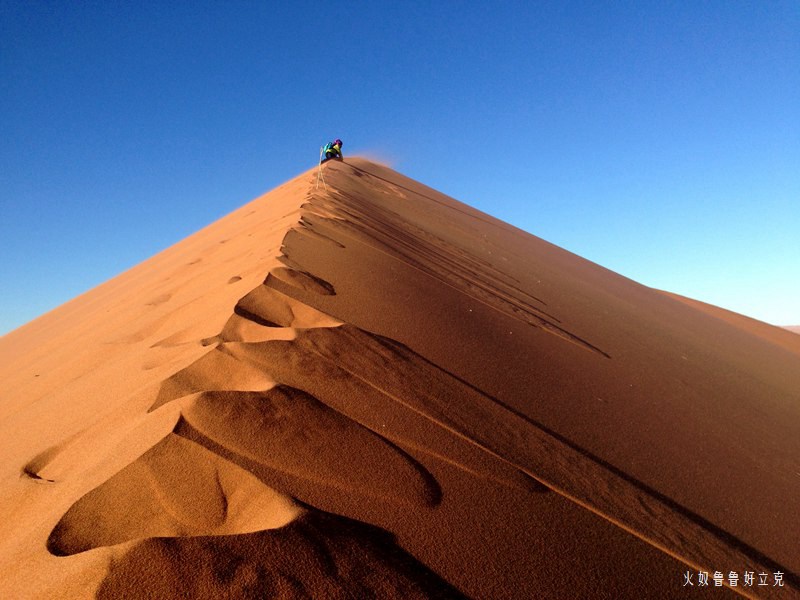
point(318, 435)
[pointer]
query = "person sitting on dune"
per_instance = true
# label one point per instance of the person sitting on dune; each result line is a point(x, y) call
point(333, 149)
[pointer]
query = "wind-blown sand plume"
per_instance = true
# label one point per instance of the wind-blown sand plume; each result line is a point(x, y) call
point(376, 391)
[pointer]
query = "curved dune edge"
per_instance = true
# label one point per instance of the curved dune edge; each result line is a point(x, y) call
point(177, 488)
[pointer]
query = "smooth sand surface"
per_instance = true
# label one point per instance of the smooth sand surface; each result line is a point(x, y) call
point(368, 389)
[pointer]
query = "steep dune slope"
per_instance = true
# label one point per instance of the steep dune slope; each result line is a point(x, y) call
point(701, 411)
point(375, 390)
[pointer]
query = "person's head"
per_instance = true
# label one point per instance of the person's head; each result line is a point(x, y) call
point(338, 142)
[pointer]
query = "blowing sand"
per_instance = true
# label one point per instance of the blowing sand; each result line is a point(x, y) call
point(376, 391)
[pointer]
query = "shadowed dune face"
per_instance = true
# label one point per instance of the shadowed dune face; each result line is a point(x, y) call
point(288, 431)
point(407, 399)
point(316, 556)
point(698, 408)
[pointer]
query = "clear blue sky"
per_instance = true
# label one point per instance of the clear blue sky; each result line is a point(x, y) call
point(659, 139)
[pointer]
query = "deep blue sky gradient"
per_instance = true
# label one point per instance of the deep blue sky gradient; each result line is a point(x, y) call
point(658, 139)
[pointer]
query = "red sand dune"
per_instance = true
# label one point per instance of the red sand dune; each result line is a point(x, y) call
point(373, 390)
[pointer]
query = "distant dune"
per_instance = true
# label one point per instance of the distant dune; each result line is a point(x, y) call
point(776, 335)
point(793, 328)
point(366, 389)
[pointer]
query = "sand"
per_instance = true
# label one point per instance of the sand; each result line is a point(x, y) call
point(373, 390)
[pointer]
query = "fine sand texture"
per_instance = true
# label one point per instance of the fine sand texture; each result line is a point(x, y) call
point(363, 388)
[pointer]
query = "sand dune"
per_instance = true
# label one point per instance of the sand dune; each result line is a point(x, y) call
point(373, 390)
